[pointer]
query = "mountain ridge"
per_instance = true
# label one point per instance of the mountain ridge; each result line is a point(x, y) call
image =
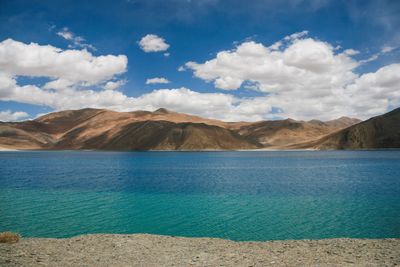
point(165, 129)
point(381, 131)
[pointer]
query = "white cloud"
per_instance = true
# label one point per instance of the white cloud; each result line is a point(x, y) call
point(69, 66)
point(157, 80)
point(7, 115)
point(210, 105)
point(218, 105)
point(276, 45)
point(387, 49)
point(296, 35)
point(111, 85)
point(351, 52)
point(77, 78)
point(76, 41)
point(372, 93)
point(67, 35)
point(369, 95)
point(153, 43)
point(305, 64)
point(371, 58)
point(58, 84)
point(304, 77)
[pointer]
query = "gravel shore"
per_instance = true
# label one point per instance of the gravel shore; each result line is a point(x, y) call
point(152, 250)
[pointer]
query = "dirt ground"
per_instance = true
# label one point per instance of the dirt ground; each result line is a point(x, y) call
point(152, 250)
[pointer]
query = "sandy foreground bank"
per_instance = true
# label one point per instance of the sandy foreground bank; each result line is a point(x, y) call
point(153, 250)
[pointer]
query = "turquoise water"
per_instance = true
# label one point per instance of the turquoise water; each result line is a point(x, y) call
point(234, 195)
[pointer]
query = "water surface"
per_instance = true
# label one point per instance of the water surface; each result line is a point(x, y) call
point(236, 195)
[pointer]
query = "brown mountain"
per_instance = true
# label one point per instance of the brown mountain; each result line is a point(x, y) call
point(378, 132)
point(158, 130)
point(110, 130)
point(285, 133)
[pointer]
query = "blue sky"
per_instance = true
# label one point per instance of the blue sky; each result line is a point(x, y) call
point(196, 31)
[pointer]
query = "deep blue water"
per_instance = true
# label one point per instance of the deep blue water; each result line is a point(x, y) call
point(234, 195)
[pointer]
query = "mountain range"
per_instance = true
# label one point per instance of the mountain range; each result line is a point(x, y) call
point(163, 129)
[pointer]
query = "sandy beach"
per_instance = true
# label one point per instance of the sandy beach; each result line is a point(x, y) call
point(154, 250)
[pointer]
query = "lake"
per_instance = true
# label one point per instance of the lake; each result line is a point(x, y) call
point(246, 195)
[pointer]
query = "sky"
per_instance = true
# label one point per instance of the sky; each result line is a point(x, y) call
point(232, 60)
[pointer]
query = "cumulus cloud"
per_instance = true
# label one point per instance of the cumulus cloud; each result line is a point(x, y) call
point(34, 60)
point(8, 115)
point(222, 105)
point(76, 41)
point(303, 77)
point(157, 80)
point(153, 43)
point(77, 79)
point(304, 64)
point(218, 105)
point(373, 92)
point(210, 105)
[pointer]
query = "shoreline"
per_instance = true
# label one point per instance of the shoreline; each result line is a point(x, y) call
point(157, 250)
point(204, 150)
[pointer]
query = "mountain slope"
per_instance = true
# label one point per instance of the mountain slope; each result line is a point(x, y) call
point(284, 133)
point(159, 130)
point(378, 132)
point(159, 135)
point(110, 130)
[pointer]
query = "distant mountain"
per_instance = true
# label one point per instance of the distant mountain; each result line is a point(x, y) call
point(157, 135)
point(378, 132)
point(284, 133)
point(342, 122)
point(167, 130)
point(110, 130)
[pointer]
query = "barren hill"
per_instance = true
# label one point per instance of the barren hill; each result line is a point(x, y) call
point(284, 133)
point(168, 130)
point(378, 132)
point(110, 130)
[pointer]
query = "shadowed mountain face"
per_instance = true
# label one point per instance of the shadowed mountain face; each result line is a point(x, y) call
point(284, 133)
point(168, 130)
point(109, 130)
point(158, 135)
point(378, 132)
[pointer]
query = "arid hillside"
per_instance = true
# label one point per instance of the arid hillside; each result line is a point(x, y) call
point(167, 130)
point(110, 130)
point(284, 133)
point(378, 132)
